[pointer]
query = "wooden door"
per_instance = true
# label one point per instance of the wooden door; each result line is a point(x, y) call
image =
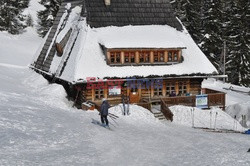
point(134, 96)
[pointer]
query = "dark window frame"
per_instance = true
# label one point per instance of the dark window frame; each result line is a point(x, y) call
point(115, 57)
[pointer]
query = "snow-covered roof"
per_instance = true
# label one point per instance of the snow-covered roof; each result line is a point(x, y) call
point(158, 36)
point(84, 57)
point(88, 60)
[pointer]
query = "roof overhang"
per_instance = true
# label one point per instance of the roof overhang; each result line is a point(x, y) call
point(149, 78)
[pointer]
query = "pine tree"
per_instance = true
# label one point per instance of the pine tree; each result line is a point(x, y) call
point(29, 21)
point(11, 19)
point(210, 23)
point(213, 42)
point(238, 39)
point(47, 16)
point(190, 13)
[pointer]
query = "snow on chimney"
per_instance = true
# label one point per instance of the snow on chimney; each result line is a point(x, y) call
point(107, 2)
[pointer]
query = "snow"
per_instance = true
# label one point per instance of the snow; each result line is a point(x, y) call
point(72, 20)
point(213, 119)
point(237, 99)
point(90, 61)
point(39, 126)
point(138, 37)
point(34, 6)
point(87, 58)
point(19, 49)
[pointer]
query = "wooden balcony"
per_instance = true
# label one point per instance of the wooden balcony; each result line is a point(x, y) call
point(214, 98)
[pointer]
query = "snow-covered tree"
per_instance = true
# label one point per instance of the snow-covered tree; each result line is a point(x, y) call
point(212, 42)
point(47, 16)
point(210, 23)
point(29, 21)
point(11, 19)
point(238, 39)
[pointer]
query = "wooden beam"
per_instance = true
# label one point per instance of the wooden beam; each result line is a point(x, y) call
point(164, 88)
point(165, 56)
point(179, 55)
point(137, 61)
point(108, 58)
point(93, 94)
point(151, 57)
point(122, 57)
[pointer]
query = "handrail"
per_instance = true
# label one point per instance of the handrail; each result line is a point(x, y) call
point(166, 111)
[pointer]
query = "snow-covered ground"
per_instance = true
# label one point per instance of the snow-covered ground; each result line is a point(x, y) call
point(237, 99)
point(212, 119)
point(39, 126)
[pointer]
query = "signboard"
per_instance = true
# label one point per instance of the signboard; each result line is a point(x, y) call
point(114, 91)
point(201, 101)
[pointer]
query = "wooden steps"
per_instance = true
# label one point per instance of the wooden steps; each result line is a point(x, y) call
point(48, 51)
point(159, 115)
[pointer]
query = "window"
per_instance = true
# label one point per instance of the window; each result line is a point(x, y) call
point(158, 56)
point(170, 56)
point(99, 93)
point(158, 91)
point(182, 88)
point(144, 57)
point(115, 57)
point(173, 56)
point(129, 57)
point(158, 85)
point(170, 89)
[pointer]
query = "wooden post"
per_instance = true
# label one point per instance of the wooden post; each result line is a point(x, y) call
point(139, 92)
point(93, 94)
point(105, 90)
point(164, 88)
point(108, 57)
point(179, 55)
point(176, 87)
point(122, 57)
point(151, 91)
point(165, 56)
point(137, 61)
point(151, 57)
point(188, 86)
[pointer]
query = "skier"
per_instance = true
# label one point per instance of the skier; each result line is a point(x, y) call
point(104, 112)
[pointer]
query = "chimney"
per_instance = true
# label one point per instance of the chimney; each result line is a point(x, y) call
point(107, 2)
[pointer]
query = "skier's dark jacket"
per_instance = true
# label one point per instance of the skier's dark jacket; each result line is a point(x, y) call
point(105, 108)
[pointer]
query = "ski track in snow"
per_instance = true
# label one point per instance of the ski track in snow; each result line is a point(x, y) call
point(38, 126)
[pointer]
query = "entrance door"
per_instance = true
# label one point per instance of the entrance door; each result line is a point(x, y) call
point(134, 96)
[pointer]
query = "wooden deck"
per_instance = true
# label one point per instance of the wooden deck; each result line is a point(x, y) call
point(215, 98)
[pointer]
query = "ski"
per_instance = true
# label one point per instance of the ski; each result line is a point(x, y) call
point(96, 122)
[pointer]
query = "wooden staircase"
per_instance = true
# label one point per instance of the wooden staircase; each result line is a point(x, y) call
point(160, 116)
point(156, 110)
point(48, 51)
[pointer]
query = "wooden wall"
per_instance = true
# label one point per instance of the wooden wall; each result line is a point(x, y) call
point(193, 88)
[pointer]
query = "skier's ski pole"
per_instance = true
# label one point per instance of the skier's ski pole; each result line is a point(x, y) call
point(110, 114)
point(193, 118)
point(210, 119)
point(215, 120)
point(114, 120)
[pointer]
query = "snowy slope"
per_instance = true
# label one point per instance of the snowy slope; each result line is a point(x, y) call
point(39, 127)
